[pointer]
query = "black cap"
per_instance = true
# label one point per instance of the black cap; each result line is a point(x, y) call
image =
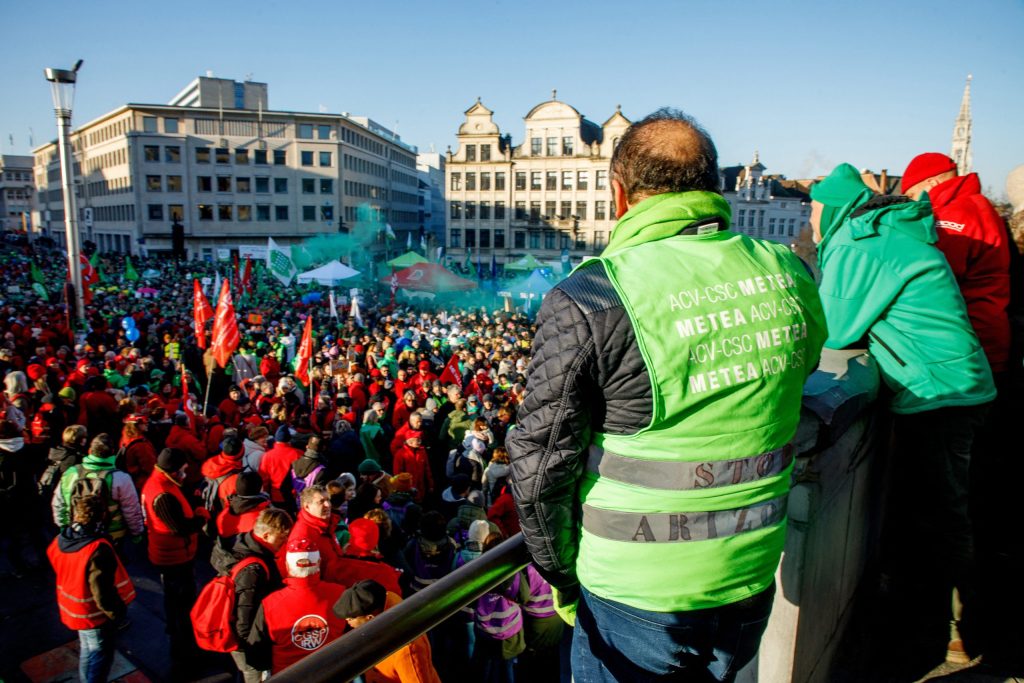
point(170, 459)
point(363, 598)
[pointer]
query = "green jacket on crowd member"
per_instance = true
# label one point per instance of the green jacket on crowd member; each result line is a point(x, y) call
point(884, 279)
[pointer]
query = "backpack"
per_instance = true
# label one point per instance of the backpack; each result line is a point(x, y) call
point(213, 614)
point(298, 484)
point(211, 497)
point(50, 477)
point(91, 483)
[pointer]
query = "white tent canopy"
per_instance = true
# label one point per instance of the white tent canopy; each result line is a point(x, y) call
point(329, 274)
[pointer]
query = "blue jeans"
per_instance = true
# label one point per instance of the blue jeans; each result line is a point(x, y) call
point(616, 642)
point(95, 653)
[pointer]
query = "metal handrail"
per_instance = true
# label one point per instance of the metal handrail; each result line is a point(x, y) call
point(361, 648)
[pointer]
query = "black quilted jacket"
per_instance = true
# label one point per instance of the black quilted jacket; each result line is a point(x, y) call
point(586, 375)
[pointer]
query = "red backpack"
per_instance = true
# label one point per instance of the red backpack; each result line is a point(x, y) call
point(213, 614)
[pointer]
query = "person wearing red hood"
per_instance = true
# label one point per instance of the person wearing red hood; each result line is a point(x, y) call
point(974, 240)
point(298, 619)
point(357, 392)
point(412, 458)
point(243, 507)
point(361, 559)
point(228, 408)
point(421, 381)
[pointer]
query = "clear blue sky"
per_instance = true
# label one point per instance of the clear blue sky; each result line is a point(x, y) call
point(809, 84)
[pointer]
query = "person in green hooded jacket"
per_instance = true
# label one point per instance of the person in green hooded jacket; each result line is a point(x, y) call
point(884, 282)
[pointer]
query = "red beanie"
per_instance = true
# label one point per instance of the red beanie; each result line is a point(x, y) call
point(923, 167)
point(35, 372)
point(363, 535)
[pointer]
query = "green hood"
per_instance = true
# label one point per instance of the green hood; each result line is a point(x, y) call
point(665, 215)
point(95, 462)
point(841, 192)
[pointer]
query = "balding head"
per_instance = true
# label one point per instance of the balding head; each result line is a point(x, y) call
point(665, 152)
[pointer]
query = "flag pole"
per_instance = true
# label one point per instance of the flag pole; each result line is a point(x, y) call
point(206, 399)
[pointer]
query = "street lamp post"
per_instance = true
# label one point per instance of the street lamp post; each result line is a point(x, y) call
point(62, 85)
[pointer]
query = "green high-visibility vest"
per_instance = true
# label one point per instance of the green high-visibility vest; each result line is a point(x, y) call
point(690, 512)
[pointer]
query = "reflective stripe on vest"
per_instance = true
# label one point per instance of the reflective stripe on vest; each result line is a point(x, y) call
point(78, 609)
point(662, 527)
point(679, 475)
point(503, 624)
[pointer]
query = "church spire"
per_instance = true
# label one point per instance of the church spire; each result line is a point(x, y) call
point(961, 151)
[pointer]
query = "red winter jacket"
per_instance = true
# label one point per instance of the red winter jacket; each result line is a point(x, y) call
point(415, 462)
point(319, 532)
point(300, 619)
point(973, 239)
point(276, 467)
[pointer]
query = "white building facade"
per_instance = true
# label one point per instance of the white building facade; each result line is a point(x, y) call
point(17, 192)
point(230, 176)
point(763, 206)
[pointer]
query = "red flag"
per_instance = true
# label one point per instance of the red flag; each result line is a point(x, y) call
point(247, 276)
point(305, 352)
point(186, 402)
point(237, 279)
point(201, 312)
point(225, 327)
point(450, 374)
point(89, 278)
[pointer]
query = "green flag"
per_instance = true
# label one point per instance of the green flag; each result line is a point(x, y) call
point(129, 270)
point(37, 275)
point(95, 263)
point(469, 258)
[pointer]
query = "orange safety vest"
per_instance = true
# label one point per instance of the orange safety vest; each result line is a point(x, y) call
point(166, 547)
point(78, 609)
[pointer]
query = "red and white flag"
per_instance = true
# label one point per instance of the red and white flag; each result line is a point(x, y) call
point(305, 352)
point(247, 276)
point(225, 327)
point(394, 285)
point(451, 374)
point(202, 312)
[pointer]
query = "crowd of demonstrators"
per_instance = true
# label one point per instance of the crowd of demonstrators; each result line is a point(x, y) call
point(387, 465)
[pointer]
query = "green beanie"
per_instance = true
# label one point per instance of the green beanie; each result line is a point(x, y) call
point(840, 187)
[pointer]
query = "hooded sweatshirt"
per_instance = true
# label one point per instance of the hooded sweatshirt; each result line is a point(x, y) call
point(883, 278)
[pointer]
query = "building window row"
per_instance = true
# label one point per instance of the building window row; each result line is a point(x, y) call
point(354, 189)
point(362, 142)
point(404, 178)
point(223, 155)
point(485, 152)
point(150, 124)
point(307, 131)
point(117, 157)
point(242, 212)
point(108, 132)
point(531, 211)
point(360, 165)
point(121, 212)
point(550, 146)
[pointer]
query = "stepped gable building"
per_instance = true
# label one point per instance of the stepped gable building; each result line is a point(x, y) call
point(230, 171)
point(548, 194)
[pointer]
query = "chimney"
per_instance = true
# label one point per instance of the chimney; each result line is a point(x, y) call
point(884, 181)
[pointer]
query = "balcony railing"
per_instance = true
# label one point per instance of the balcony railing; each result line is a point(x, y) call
point(359, 649)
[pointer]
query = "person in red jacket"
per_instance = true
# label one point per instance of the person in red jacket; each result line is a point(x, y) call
point(243, 507)
point(173, 525)
point(181, 438)
point(98, 409)
point(357, 392)
point(404, 409)
point(222, 471)
point(503, 513)
point(412, 458)
point(422, 381)
point(228, 408)
point(414, 423)
point(361, 559)
point(316, 523)
point(298, 619)
point(276, 469)
point(974, 240)
point(93, 588)
point(139, 454)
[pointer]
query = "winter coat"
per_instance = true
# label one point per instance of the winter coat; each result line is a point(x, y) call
point(412, 663)
point(252, 584)
point(883, 278)
point(973, 239)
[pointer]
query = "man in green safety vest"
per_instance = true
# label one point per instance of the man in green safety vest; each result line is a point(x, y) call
point(651, 462)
